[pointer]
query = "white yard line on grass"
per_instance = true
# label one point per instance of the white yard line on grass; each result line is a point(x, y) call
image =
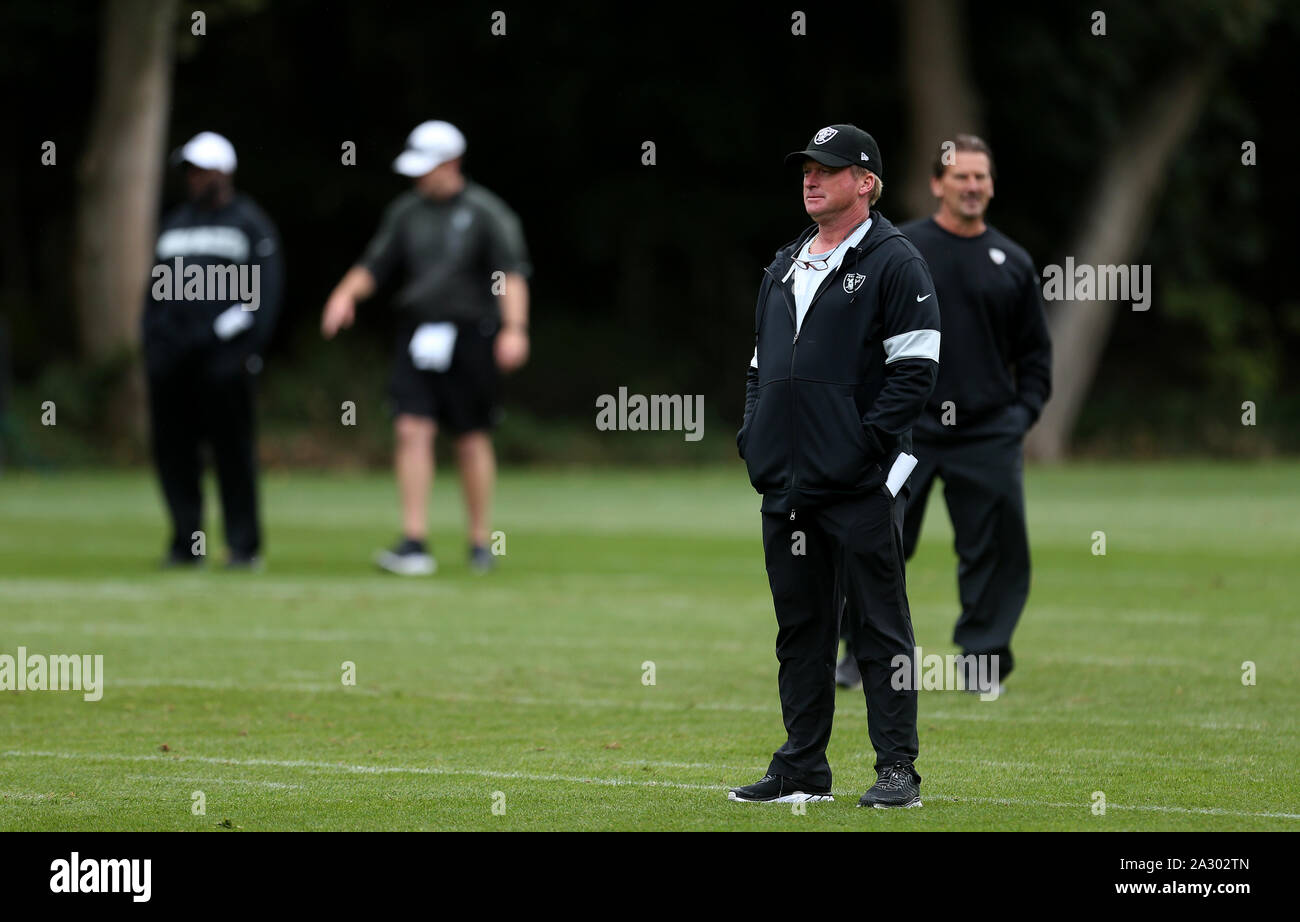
point(572, 779)
point(404, 638)
point(165, 587)
point(986, 713)
point(1110, 805)
point(276, 785)
point(249, 635)
point(1268, 619)
point(396, 636)
point(352, 769)
point(228, 685)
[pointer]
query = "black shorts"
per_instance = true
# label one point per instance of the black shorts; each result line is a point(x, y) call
point(465, 397)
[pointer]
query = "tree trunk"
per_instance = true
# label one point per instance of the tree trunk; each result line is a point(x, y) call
point(120, 179)
point(941, 98)
point(1112, 233)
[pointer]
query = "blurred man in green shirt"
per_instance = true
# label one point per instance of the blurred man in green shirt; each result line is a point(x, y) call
point(460, 256)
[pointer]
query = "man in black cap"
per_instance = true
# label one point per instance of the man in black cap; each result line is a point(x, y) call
point(846, 353)
point(209, 313)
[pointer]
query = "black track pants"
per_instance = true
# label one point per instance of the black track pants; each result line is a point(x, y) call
point(189, 408)
point(853, 546)
point(983, 484)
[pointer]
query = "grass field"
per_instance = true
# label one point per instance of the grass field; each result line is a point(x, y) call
point(528, 682)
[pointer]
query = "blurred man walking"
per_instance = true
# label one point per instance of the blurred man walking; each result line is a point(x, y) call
point(995, 379)
point(212, 304)
point(460, 253)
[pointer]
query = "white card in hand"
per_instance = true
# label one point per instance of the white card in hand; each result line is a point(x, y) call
point(898, 474)
point(232, 321)
point(432, 346)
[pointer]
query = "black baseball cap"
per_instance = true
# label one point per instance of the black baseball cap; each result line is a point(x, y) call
point(842, 145)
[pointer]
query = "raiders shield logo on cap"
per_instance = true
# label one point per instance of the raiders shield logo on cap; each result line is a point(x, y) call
point(825, 135)
point(853, 281)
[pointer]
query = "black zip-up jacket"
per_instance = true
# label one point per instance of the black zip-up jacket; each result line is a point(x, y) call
point(828, 410)
point(179, 333)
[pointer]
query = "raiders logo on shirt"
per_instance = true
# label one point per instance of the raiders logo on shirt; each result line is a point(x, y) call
point(853, 281)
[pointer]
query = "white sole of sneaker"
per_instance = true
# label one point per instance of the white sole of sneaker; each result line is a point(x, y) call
point(406, 564)
point(798, 797)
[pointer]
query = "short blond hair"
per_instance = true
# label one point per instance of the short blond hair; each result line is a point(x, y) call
point(877, 187)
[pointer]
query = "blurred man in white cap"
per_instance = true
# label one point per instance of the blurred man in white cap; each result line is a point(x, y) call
point(460, 254)
point(209, 312)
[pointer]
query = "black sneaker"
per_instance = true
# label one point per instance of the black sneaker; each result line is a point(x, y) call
point(776, 789)
point(408, 558)
point(481, 559)
point(847, 674)
point(976, 672)
point(178, 560)
point(241, 561)
point(896, 786)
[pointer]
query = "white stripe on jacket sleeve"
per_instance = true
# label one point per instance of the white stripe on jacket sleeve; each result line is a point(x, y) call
point(918, 344)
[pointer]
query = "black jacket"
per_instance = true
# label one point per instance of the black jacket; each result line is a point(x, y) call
point(179, 333)
point(828, 410)
point(997, 364)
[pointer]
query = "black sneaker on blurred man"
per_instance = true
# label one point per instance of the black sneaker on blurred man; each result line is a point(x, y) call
point(481, 559)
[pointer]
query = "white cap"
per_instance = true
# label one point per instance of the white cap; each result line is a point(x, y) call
point(209, 151)
point(429, 146)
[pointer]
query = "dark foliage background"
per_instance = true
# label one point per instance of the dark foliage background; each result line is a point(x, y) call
point(645, 276)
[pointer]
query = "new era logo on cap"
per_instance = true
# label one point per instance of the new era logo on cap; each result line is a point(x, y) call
point(841, 145)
